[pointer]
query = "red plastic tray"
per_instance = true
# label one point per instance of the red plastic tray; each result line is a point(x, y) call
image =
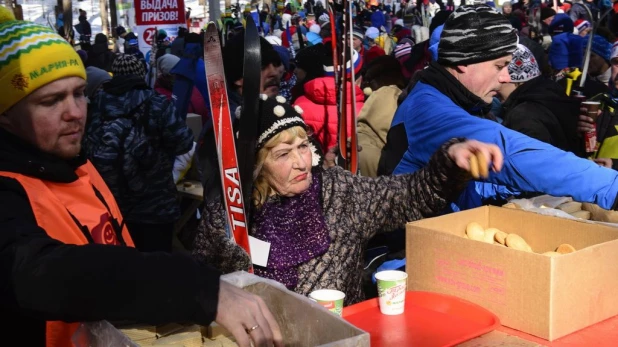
point(429, 319)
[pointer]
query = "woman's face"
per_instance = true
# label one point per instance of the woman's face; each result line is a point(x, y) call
point(507, 9)
point(287, 167)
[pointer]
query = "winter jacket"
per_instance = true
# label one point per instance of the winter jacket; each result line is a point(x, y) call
point(373, 124)
point(609, 147)
point(47, 280)
point(377, 19)
point(372, 53)
point(355, 209)
point(540, 109)
point(579, 12)
point(100, 56)
point(439, 108)
point(196, 103)
point(141, 180)
point(284, 37)
point(85, 31)
point(607, 131)
point(178, 47)
point(320, 109)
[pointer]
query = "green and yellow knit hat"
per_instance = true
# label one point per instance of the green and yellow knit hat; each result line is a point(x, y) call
point(32, 56)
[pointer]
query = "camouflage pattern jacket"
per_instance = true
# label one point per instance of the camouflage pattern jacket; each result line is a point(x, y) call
point(132, 137)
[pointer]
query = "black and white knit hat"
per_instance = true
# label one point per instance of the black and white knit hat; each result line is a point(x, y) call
point(276, 115)
point(474, 34)
point(126, 64)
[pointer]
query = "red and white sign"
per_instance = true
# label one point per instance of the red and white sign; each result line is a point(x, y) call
point(162, 14)
point(159, 12)
point(148, 35)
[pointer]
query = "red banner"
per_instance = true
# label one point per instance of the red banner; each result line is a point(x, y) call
point(159, 12)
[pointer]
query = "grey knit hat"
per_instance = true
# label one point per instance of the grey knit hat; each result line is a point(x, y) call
point(474, 34)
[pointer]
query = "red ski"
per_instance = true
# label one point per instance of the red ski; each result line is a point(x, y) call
point(224, 138)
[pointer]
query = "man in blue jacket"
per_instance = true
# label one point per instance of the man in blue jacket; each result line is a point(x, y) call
point(451, 98)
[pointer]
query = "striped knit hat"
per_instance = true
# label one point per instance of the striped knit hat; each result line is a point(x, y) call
point(403, 48)
point(581, 25)
point(32, 56)
point(474, 34)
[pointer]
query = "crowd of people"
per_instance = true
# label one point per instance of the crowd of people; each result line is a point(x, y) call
point(93, 144)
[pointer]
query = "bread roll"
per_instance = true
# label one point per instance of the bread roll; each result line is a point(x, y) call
point(475, 231)
point(565, 248)
point(517, 242)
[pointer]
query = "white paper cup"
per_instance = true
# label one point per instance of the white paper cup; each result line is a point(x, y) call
point(330, 299)
point(392, 291)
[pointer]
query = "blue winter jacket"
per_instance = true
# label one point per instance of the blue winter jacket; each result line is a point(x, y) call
point(430, 119)
point(377, 19)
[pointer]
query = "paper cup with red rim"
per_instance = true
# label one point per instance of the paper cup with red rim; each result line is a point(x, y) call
point(330, 299)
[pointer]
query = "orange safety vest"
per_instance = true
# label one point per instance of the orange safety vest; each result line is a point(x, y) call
point(64, 211)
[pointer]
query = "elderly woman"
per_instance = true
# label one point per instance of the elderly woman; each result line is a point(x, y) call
point(318, 221)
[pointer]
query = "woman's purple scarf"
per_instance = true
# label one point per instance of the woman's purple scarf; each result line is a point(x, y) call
point(296, 230)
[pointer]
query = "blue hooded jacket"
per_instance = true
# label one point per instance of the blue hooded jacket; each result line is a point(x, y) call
point(377, 19)
point(430, 119)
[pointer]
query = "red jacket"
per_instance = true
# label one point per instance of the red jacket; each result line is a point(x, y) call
point(372, 53)
point(320, 109)
point(284, 36)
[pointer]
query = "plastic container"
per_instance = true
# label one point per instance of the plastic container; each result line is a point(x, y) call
point(429, 319)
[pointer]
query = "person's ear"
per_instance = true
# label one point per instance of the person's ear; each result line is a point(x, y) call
point(5, 119)
point(461, 68)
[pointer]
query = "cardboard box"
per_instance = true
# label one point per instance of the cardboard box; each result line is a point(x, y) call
point(543, 296)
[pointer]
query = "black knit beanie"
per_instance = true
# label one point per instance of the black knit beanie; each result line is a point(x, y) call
point(310, 59)
point(474, 34)
point(439, 19)
point(234, 55)
point(276, 115)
